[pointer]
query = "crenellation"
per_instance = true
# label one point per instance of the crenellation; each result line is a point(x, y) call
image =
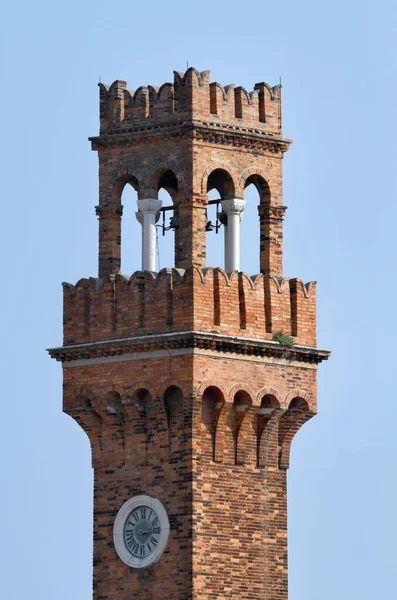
point(303, 310)
point(150, 303)
point(192, 97)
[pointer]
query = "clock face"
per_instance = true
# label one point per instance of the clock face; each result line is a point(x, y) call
point(141, 531)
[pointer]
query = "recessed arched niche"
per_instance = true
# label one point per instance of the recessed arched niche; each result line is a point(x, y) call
point(211, 406)
point(173, 406)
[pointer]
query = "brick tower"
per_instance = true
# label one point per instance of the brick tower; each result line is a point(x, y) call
point(189, 402)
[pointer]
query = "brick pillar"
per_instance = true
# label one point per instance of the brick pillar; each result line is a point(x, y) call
point(271, 239)
point(190, 237)
point(109, 256)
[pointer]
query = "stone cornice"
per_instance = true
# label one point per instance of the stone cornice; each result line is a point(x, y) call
point(249, 138)
point(216, 133)
point(188, 339)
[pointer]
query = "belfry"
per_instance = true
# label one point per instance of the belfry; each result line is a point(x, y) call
point(190, 382)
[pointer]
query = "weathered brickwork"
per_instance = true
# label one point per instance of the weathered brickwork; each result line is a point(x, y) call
point(175, 377)
point(235, 504)
point(194, 300)
point(190, 97)
point(172, 138)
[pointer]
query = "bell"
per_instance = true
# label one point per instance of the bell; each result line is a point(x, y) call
point(209, 226)
point(174, 222)
point(222, 216)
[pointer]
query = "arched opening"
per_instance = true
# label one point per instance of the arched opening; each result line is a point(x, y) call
point(256, 193)
point(214, 243)
point(169, 182)
point(298, 405)
point(211, 407)
point(241, 405)
point(168, 221)
point(250, 237)
point(220, 186)
point(220, 180)
point(261, 186)
point(131, 229)
point(173, 406)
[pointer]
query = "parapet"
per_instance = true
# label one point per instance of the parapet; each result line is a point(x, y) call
point(202, 300)
point(190, 98)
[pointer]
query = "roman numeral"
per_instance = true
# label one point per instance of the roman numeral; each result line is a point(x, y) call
point(153, 541)
point(143, 513)
point(156, 529)
point(132, 546)
point(155, 521)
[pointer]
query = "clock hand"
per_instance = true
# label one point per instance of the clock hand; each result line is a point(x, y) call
point(142, 531)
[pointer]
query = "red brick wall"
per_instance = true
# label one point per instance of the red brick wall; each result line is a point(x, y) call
point(169, 302)
point(237, 511)
point(191, 96)
point(217, 456)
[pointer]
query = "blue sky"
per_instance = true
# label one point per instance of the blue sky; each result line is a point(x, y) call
point(338, 66)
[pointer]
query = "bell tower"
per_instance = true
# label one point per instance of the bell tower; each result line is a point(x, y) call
point(190, 382)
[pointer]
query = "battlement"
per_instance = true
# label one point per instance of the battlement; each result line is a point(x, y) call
point(203, 300)
point(190, 98)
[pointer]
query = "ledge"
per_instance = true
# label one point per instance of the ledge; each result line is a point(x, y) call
point(188, 339)
point(227, 132)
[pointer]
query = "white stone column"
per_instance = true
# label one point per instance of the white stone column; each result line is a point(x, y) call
point(234, 211)
point(139, 218)
point(149, 207)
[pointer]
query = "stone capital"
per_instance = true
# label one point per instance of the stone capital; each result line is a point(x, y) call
point(149, 205)
point(233, 206)
point(139, 216)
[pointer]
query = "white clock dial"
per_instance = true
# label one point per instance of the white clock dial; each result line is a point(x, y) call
point(141, 531)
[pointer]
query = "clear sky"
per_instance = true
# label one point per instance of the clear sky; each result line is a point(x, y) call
point(338, 66)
